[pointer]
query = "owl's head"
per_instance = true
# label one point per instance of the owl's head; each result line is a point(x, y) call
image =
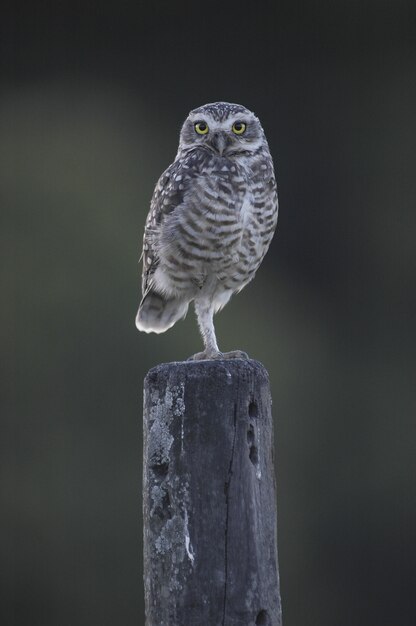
point(224, 128)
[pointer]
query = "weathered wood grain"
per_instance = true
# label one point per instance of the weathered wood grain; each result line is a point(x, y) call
point(210, 545)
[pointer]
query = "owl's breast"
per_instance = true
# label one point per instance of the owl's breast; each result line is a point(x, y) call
point(214, 234)
point(209, 219)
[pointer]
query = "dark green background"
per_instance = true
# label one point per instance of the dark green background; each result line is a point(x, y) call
point(93, 96)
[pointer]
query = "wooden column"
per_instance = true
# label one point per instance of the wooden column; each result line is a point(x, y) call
point(209, 500)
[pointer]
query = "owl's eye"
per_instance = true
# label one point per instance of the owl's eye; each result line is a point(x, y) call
point(201, 128)
point(239, 128)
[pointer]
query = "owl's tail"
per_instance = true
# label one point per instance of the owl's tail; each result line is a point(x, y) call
point(157, 313)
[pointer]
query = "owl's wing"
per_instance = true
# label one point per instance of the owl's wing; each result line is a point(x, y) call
point(168, 194)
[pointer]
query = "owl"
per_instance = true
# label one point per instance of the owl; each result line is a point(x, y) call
point(211, 220)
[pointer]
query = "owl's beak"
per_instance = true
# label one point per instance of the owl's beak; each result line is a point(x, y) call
point(219, 142)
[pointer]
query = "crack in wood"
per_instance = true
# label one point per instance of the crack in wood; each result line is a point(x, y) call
point(226, 490)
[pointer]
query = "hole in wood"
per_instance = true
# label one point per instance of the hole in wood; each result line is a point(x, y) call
point(253, 409)
point(160, 469)
point(250, 434)
point(253, 452)
point(254, 455)
point(263, 618)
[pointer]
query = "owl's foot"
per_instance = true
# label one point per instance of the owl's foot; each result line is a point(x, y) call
point(206, 355)
point(235, 354)
point(209, 355)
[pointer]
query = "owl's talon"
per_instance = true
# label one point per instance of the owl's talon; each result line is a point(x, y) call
point(236, 354)
point(218, 356)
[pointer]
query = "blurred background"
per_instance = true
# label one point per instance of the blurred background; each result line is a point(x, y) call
point(93, 97)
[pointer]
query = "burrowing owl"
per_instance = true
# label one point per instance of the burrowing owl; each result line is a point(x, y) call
point(211, 220)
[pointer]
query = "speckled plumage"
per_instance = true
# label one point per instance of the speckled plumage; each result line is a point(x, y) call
point(212, 217)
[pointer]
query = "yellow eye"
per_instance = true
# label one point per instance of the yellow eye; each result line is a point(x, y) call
point(201, 128)
point(239, 128)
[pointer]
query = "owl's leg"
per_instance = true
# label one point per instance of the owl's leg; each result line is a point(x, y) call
point(204, 310)
point(205, 315)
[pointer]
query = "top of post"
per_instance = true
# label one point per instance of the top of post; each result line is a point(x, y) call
point(221, 368)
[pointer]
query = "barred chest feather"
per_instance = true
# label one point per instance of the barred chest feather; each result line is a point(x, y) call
point(217, 237)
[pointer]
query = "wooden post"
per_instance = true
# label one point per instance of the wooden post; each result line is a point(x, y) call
point(210, 545)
